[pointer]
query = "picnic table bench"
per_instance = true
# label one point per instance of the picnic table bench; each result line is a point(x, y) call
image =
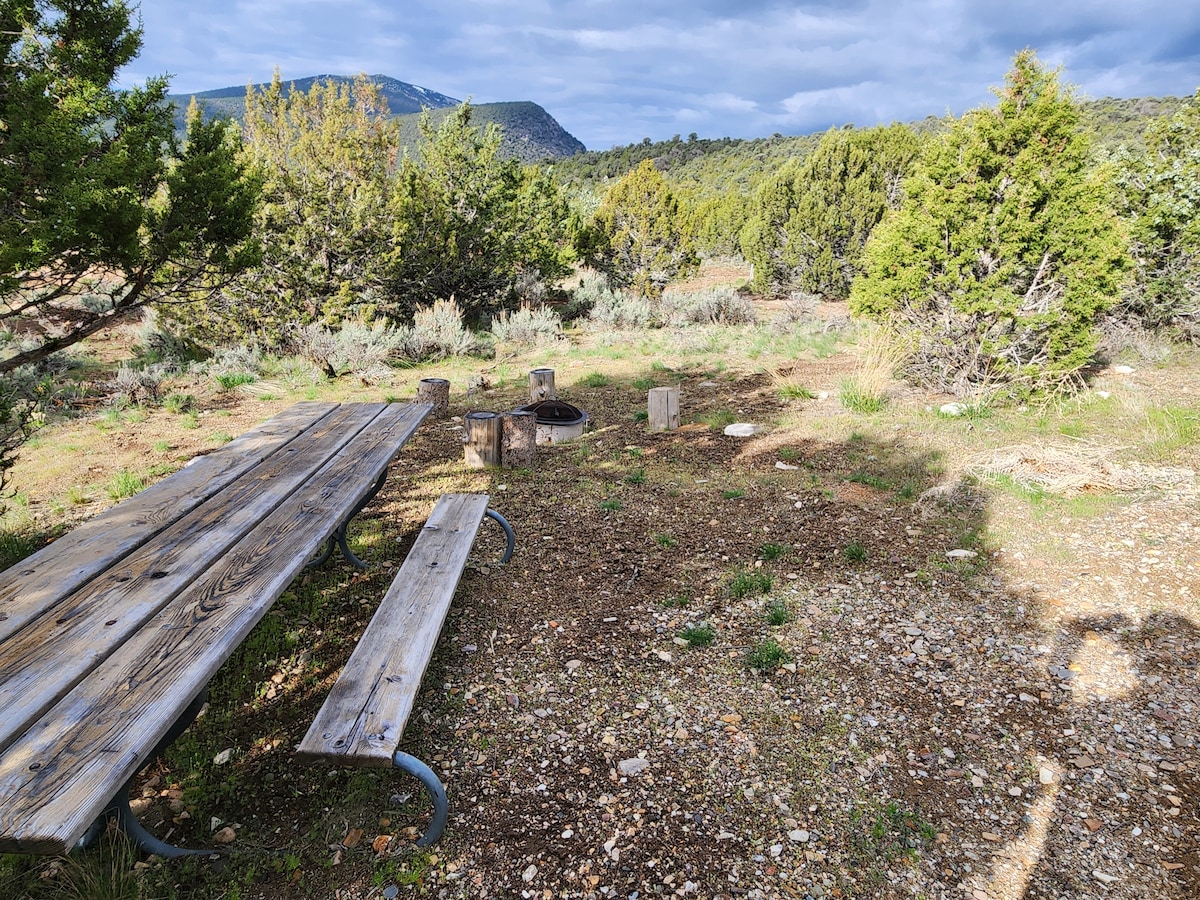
point(109, 635)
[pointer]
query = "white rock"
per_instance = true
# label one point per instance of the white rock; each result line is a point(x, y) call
point(961, 554)
point(634, 766)
point(744, 429)
point(1103, 395)
point(223, 757)
point(709, 384)
point(785, 467)
point(952, 409)
point(800, 836)
point(1045, 775)
point(1103, 877)
point(1123, 370)
point(529, 874)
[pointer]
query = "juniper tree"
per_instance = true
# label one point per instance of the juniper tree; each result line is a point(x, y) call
point(1159, 195)
point(1005, 252)
point(637, 236)
point(101, 210)
point(807, 226)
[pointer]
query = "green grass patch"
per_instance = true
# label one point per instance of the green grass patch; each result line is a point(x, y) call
point(733, 494)
point(767, 656)
point(636, 476)
point(594, 380)
point(718, 419)
point(860, 398)
point(771, 551)
point(124, 484)
point(179, 403)
point(854, 552)
point(748, 582)
point(778, 612)
point(699, 635)
point(665, 540)
point(611, 504)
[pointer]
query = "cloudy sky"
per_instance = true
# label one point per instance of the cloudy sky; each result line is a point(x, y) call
point(615, 71)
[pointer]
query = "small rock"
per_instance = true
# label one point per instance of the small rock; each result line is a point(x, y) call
point(1122, 370)
point(744, 429)
point(529, 874)
point(223, 757)
point(785, 467)
point(961, 554)
point(1046, 776)
point(952, 409)
point(225, 836)
point(800, 836)
point(634, 766)
point(1103, 877)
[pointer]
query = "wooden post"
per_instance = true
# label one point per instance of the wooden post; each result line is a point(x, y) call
point(482, 440)
point(518, 439)
point(663, 408)
point(437, 392)
point(541, 385)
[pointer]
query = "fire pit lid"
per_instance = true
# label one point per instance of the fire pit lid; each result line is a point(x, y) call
point(555, 412)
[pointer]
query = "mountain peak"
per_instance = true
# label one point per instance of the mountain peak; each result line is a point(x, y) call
point(529, 132)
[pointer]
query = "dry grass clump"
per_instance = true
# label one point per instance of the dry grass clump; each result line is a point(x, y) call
point(1067, 471)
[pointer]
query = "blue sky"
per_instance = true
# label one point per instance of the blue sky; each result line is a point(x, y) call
point(615, 71)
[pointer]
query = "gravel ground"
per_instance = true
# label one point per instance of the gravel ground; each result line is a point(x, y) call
point(885, 705)
point(1018, 723)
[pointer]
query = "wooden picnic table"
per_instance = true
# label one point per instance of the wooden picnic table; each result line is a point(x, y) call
point(109, 635)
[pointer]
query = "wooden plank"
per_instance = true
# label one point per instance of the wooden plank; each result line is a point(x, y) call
point(36, 583)
point(42, 662)
point(60, 774)
point(363, 718)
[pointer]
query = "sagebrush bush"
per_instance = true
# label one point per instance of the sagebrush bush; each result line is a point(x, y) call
point(137, 385)
point(528, 325)
point(711, 306)
point(437, 332)
point(357, 348)
point(593, 286)
point(622, 312)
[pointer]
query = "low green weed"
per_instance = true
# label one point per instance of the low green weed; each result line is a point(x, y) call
point(124, 484)
point(748, 582)
point(700, 635)
point(767, 656)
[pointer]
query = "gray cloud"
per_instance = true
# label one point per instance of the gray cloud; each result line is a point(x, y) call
point(614, 71)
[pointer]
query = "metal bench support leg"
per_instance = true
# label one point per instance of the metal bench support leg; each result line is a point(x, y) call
point(118, 808)
point(437, 794)
point(508, 534)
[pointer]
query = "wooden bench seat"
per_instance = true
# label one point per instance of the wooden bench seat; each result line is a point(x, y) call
point(363, 718)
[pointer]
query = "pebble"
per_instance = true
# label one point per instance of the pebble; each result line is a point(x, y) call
point(633, 766)
point(800, 836)
point(529, 874)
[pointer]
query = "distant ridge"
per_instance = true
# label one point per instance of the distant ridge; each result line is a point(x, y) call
point(529, 132)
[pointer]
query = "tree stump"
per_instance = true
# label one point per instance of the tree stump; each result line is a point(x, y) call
point(541, 385)
point(482, 439)
point(437, 392)
point(518, 439)
point(663, 408)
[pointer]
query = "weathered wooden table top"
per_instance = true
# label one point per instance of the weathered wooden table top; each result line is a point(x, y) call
point(109, 633)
